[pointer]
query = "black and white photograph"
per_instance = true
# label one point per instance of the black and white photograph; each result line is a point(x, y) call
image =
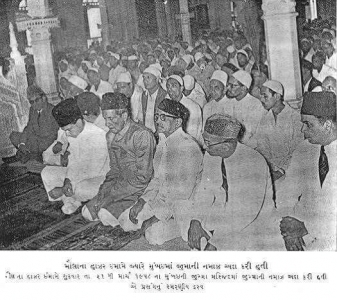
point(168, 125)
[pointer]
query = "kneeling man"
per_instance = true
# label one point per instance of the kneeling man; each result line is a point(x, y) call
point(88, 161)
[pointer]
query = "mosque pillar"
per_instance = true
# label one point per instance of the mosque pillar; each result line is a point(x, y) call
point(105, 23)
point(39, 21)
point(161, 18)
point(185, 21)
point(282, 45)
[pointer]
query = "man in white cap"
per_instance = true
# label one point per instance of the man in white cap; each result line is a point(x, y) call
point(133, 67)
point(151, 97)
point(218, 100)
point(279, 131)
point(177, 163)
point(88, 160)
point(175, 87)
point(133, 91)
point(116, 68)
point(202, 71)
point(243, 61)
point(98, 86)
point(247, 109)
point(194, 91)
point(234, 194)
point(77, 85)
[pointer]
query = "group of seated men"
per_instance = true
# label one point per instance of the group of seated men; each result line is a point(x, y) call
point(182, 143)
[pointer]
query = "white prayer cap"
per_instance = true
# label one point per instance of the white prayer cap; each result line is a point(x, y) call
point(189, 82)
point(198, 56)
point(220, 76)
point(153, 70)
point(93, 69)
point(189, 48)
point(115, 55)
point(178, 78)
point(78, 81)
point(124, 77)
point(132, 57)
point(230, 49)
point(275, 86)
point(244, 77)
point(93, 52)
point(242, 52)
point(203, 42)
point(187, 58)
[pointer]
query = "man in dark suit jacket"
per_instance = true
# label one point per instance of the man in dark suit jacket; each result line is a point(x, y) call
point(41, 129)
point(151, 97)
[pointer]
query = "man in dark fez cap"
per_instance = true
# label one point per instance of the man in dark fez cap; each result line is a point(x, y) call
point(160, 210)
point(89, 105)
point(308, 195)
point(41, 129)
point(235, 191)
point(131, 148)
point(88, 161)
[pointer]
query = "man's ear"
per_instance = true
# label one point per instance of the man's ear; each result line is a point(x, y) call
point(328, 125)
point(179, 122)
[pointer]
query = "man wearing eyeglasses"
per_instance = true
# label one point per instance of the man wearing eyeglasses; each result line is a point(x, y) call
point(160, 211)
point(41, 129)
point(234, 195)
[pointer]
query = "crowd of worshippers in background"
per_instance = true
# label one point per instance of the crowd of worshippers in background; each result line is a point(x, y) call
point(172, 140)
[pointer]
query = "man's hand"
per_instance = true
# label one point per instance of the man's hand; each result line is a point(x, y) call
point(57, 148)
point(195, 233)
point(135, 210)
point(148, 223)
point(64, 159)
point(293, 232)
point(67, 188)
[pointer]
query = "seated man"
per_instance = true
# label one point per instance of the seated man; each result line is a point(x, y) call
point(89, 105)
point(88, 160)
point(41, 129)
point(307, 196)
point(279, 131)
point(131, 148)
point(234, 194)
point(177, 167)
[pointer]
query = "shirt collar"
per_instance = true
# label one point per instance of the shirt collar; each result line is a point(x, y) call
point(120, 134)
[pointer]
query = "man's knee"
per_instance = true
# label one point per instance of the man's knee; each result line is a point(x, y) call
point(87, 215)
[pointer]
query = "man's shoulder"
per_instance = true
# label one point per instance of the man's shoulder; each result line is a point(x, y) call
point(139, 129)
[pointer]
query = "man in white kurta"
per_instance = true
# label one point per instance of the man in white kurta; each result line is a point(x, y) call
point(116, 68)
point(175, 87)
point(235, 192)
point(88, 161)
point(308, 192)
point(98, 87)
point(177, 168)
point(247, 109)
point(279, 131)
point(218, 100)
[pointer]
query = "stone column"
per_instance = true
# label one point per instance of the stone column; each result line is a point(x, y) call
point(39, 21)
point(185, 21)
point(105, 23)
point(282, 45)
point(161, 18)
point(169, 23)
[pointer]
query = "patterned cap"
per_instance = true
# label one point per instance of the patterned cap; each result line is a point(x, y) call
point(223, 125)
point(115, 101)
point(66, 112)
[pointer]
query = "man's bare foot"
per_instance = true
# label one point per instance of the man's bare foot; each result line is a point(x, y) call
point(56, 193)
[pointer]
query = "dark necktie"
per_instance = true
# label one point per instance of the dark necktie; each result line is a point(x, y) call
point(38, 118)
point(224, 178)
point(323, 165)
